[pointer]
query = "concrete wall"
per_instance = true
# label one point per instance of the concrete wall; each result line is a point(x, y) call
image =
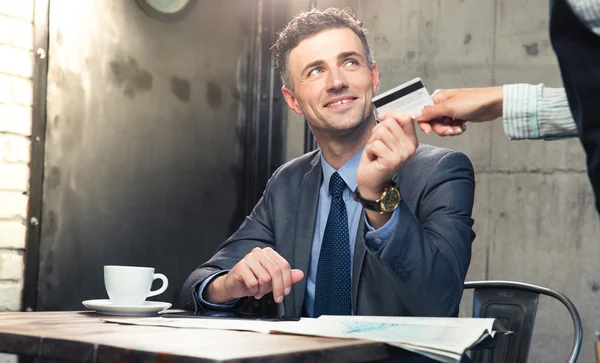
point(16, 68)
point(137, 111)
point(534, 214)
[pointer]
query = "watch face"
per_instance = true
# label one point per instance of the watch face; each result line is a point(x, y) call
point(390, 199)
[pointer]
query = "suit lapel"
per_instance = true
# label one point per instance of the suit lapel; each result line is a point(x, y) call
point(359, 256)
point(306, 214)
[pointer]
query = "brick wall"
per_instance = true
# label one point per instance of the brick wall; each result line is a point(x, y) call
point(16, 93)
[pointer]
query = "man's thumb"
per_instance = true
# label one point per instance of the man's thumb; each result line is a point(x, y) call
point(297, 275)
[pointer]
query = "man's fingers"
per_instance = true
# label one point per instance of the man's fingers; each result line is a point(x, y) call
point(275, 273)
point(403, 119)
point(285, 271)
point(248, 279)
point(387, 132)
point(260, 273)
point(388, 125)
point(408, 126)
point(296, 276)
point(377, 150)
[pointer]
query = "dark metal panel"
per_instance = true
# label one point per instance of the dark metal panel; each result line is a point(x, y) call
point(38, 131)
point(144, 142)
point(265, 141)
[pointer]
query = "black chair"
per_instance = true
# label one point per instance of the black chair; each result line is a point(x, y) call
point(514, 304)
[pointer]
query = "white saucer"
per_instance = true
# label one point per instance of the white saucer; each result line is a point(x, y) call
point(106, 307)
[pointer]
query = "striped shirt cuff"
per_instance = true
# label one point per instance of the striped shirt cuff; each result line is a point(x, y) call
point(554, 115)
point(519, 111)
point(536, 112)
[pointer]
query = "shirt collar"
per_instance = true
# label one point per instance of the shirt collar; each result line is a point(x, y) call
point(346, 171)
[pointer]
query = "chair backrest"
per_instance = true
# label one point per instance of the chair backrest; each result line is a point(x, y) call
point(514, 304)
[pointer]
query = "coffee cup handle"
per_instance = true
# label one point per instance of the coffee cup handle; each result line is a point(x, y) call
point(163, 287)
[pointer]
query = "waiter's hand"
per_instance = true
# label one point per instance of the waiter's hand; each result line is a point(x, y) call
point(393, 141)
point(261, 271)
point(452, 108)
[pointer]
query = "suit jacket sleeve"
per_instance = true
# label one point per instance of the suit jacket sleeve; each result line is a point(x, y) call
point(429, 250)
point(255, 231)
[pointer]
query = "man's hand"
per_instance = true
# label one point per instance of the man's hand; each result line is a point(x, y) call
point(454, 107)
point(393, 141)
point(258, 273)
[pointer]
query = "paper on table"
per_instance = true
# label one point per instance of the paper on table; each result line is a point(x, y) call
point(429, 353)
point(443, 339)
point(489, 324)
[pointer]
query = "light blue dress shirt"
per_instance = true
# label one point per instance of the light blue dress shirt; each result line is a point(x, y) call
point(374, 238)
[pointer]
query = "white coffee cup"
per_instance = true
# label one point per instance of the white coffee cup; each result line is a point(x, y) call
point(130, 285)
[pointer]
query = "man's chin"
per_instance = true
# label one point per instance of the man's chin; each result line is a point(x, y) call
point(345, 126)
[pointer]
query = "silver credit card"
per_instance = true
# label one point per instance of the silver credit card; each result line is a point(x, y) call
point(409, 97)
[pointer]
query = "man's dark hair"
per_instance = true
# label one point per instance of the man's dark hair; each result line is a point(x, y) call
point(307, 24)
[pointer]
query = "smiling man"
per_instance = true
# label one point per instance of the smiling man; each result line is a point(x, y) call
point(371, 223)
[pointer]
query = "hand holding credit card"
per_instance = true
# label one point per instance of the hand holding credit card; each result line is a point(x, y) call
point(393, 140)
point(410, 97)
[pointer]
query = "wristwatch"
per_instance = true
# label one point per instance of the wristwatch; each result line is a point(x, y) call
point(389, 200)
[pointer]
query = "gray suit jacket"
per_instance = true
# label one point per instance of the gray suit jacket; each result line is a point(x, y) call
point(419, 272)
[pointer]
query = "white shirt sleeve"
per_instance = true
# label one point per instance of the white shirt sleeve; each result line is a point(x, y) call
point(536, 112)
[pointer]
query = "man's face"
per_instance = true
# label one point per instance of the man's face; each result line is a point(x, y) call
point(333, 85)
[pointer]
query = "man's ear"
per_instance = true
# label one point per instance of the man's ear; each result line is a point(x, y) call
point(375, 77)
point(290, 98)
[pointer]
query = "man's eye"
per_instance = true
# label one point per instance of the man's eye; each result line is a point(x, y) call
point(351, 62)
point(315, 71)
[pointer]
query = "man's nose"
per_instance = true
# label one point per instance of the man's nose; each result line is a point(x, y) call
point(337, 81)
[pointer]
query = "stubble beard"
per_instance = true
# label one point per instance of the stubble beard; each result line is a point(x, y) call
point(341, 130)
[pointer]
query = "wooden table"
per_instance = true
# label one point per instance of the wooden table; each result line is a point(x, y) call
point(84, 337)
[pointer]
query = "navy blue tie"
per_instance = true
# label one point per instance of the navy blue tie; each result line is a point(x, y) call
point(333, 289)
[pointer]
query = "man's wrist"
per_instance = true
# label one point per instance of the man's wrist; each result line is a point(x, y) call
point(371, 193)
point(215, 291)
point(376, 219)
